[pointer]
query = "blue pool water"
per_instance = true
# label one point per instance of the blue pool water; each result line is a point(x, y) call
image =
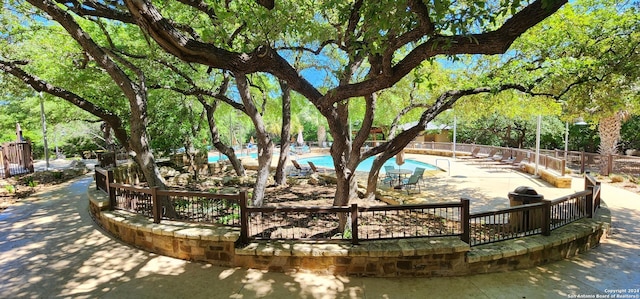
point(327, 162)
point(216, 158)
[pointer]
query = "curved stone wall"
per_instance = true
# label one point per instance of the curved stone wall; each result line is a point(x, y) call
point(444, 256)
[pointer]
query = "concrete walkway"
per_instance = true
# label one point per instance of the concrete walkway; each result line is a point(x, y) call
point(50, 247)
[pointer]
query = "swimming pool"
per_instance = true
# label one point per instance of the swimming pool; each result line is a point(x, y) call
point(218, 157)
point(327, 162)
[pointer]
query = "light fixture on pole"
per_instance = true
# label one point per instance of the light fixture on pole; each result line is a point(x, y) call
point(579, 122)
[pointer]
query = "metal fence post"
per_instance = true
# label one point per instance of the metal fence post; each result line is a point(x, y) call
point(112, 197)
point(156, 209)
point(95, 175)
point(546, 218)
point(589, 203)
point(589, 198)
point(244, 218)
point(354, 224)
point(465, 220)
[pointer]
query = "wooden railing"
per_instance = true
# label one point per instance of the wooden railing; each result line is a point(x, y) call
point(549, 162)
point(594, 162)
point(551, 159)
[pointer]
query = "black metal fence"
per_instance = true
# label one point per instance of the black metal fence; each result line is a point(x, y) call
point(511, 223)
point(359, 223)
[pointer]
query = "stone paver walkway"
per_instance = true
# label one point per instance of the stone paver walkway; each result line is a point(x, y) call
point(50, 248)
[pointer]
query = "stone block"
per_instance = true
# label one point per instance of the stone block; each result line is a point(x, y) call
point(192, 233)
point(405, 248)
point(301, 249)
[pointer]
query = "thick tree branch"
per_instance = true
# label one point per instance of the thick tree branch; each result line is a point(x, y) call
point(107, 10)
point(442, 103)
point(263, 59)
point(39, 85)
point(493, 42)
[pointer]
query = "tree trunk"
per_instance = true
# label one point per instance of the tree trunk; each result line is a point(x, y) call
point(215, 138)
point(346, 184)
point(609, 130)
point(393, 147)
point(372, 179)
point(285, 134)
point(322, 135)
point(265, 144)
point(343, 159)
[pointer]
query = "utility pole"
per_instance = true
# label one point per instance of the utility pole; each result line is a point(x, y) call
point(44, 131)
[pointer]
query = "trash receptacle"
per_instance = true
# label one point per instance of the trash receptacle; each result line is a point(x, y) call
point(522, 221)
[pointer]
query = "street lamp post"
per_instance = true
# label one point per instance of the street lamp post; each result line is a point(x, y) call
point(538, 145)
point(566, 140)
point(43, 119)
point(455, 124)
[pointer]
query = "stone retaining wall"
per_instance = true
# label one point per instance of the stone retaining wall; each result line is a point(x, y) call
point(548, 176)
point(443, 256)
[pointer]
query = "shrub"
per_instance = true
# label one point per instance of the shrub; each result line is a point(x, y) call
point(10, 188)
point(617, 178)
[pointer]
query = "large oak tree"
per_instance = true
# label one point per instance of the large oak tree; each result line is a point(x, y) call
point(377, 42)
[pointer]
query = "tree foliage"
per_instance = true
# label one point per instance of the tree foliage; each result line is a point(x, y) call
point(360, 49)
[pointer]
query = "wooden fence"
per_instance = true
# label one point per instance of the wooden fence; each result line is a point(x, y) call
point(363, 223)
point(15, 159)
point(556, 160)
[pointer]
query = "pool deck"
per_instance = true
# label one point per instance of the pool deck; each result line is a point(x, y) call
point(486, 183)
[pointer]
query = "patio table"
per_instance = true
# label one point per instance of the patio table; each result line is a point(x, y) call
point(401, 173)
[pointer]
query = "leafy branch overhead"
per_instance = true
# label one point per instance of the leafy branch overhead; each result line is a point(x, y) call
point(401, 39)
point(363, 47)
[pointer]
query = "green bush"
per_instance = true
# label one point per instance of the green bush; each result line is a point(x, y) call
point(10, 188)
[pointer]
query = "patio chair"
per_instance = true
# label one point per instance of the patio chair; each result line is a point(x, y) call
point(419, 171)
point(412, 182)
point(474, 154)
point(315, 169)
point(515, 160)
point(389, 178)
point(491, 157)
point(300, 170)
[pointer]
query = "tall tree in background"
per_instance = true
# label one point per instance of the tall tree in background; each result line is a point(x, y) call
point(586, 57)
